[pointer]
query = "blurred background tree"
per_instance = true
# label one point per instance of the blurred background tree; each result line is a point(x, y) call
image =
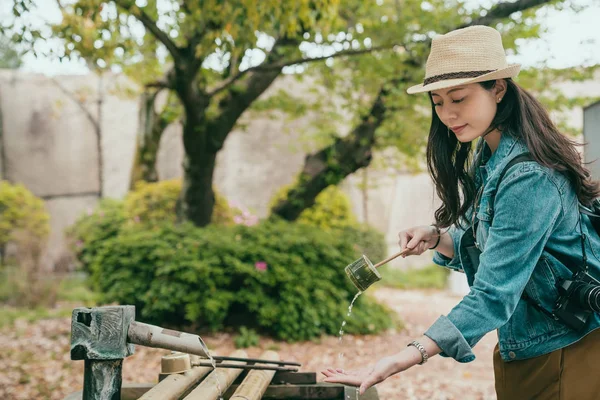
point(9, 56)
point(371, 88)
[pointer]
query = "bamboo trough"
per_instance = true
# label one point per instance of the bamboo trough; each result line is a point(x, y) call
point(104, 336)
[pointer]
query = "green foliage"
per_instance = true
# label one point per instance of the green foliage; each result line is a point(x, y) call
point(8, 315)
point(246, 338)
point(76, 289)
point(332, 209)
point(156, 202)
point(431, 277)
point(94, 228)
point(285, 280)
point(9, 57)
point(27, 287)
point(153, 202)
point(366, 240)
point(149, 204)
point(23, 216)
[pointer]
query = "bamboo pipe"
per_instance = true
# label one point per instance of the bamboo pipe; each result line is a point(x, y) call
point(155, 336)
point(255, 384)
point(176, 385)
point(208, 388)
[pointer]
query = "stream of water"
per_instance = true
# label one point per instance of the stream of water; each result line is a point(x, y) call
point(341, 332)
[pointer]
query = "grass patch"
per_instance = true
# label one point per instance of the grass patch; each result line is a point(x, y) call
point(73, 291)
point(8, 315)
point(431, 277)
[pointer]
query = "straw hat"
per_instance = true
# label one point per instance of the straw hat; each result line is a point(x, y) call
point(468, 55)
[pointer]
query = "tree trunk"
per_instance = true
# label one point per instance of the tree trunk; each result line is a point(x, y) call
point(98, 131)
point(151, 128)
point(332, 164)
point(198, 197)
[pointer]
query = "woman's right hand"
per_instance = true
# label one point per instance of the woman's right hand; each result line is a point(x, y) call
point(418, 239)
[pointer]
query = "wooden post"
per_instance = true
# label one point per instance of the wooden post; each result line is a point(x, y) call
point(209, 389)
point(256, 382)
point(102, 379)
point(99, 336)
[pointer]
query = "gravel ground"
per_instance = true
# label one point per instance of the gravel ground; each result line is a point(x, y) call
point(35, 364)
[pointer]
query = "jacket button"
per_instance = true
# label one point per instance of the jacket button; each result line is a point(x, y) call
point(512, 354)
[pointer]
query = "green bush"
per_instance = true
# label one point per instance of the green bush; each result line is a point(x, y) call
point(246, 338)
point(332, 211)
point(285, 280)
point(149, 204)
point(22, 215)
point(332, 208)
point(91, 230)
point(156, 203)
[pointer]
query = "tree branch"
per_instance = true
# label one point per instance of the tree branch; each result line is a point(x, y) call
point(277, 66)
point(504, 10)
point(157, 85)
point(235, 102)
point(153, 28)
point(79, 103)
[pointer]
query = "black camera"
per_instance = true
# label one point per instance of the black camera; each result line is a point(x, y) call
point(579, 297)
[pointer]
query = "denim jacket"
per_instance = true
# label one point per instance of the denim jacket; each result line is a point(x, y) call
point(535, 209)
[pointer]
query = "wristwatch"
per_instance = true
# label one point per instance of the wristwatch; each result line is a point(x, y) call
point(419, 346)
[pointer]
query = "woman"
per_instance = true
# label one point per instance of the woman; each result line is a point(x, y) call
point(514, 238)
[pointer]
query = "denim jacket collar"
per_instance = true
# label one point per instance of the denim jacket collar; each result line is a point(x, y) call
point(492, 162)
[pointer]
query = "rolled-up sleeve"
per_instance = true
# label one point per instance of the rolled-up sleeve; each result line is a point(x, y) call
point(453, 263)
point(520, 229)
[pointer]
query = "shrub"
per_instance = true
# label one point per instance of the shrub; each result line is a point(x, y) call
point(24, 223)
point(156, 202)
point(285, 280)
point(149, 204)
point(21, 215)
point(91, 230)
point(332, 208)
point(246, 338)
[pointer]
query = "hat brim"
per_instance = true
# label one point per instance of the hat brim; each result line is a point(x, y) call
point(509, 72)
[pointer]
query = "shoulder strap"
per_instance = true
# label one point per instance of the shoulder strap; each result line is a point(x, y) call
point(520, 158)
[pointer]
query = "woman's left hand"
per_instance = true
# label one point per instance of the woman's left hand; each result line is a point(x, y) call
point(366, 377)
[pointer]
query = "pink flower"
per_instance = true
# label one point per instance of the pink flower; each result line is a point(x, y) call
point(260, 266)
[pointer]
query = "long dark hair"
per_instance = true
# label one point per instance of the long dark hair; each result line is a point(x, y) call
point(449, 161)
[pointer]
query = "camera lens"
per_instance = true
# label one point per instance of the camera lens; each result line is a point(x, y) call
point(588, 296)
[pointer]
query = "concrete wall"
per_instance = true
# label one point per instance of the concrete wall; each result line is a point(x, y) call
point(591, 133)
point(50, 146)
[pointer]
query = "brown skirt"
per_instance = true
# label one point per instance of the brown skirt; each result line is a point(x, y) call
point(570, 373)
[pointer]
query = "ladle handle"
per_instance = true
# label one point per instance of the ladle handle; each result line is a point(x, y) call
point(390, 258)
